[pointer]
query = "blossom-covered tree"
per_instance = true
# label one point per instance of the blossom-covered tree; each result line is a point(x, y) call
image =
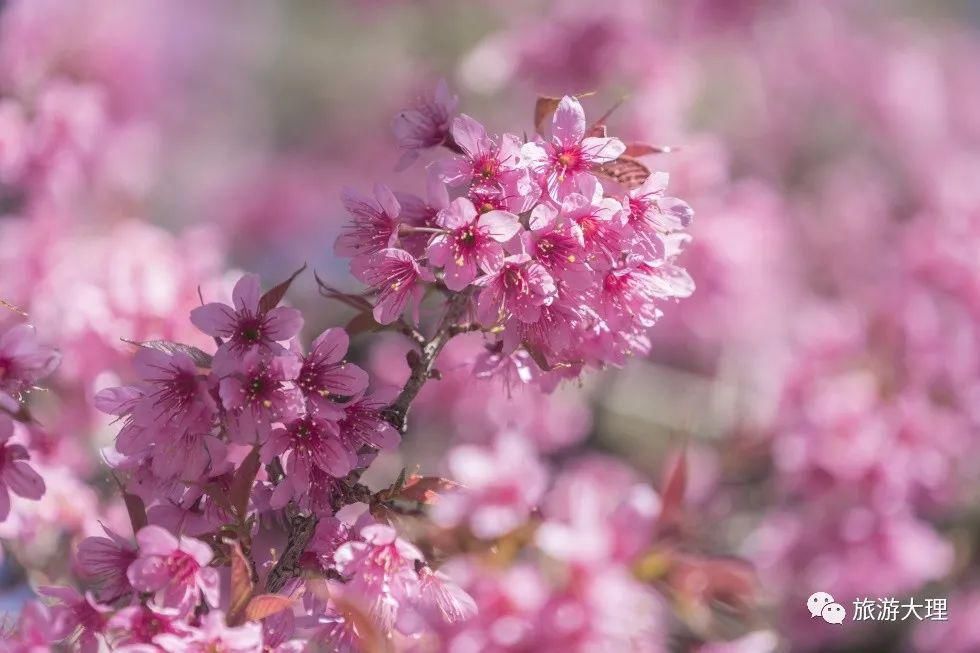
point(240, 464)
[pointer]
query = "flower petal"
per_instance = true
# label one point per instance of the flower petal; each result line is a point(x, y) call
point(470, 135)
point(602, 150)
point(214, 319)
point(247, 292)
point(23, 480)
point(282, 323)
point(568, 124)
point(155, 541)
point(499, 225)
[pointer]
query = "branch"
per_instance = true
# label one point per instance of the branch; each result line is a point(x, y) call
point(301, 529)
point(423, 365)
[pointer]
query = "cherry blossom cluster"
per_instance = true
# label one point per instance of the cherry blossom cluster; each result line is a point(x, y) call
point(561, 249)
point(213, 450)
point(593, 527)
point(78, 162)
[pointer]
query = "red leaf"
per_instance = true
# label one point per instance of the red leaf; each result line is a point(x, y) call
point(241, 484)
point(642, 149)
point(136, 510)
point(274, 295)
point(241, 585)
point(675, 486)
point(537, 356)
point(626, 171)
point(726, 580)
point(219, 495)
point(598, 128)
point(200, 358)
point(357, 302)
point(362, 323)
point(265, 605)
point(425, 489)
point(543, 108)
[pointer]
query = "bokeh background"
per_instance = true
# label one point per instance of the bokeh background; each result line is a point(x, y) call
point(821, 388)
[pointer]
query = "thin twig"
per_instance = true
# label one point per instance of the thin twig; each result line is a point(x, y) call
point(397, 413)
point(10, 307)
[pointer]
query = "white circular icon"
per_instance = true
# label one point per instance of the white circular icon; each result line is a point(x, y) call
point(834, 613)
point(817, 602)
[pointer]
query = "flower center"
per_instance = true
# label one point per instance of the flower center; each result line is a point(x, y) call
point(148, 626)
point(182, 567)
point(467, 236)
point(514, 281)
point(613, 282)
point(487, 169)
point(250, 330)
point(568, 159)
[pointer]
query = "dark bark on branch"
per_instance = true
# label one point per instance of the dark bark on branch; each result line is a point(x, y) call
point(423, 365)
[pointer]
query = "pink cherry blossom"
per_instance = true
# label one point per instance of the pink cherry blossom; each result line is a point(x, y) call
point(374, 224)
point(174, 393)
point(598, 222)
point(649, 214)
point(308, 442)
point(79, 617)
point(598, 510)
point(23, 362)
point(570, 155)
point(260, 393)
point(363, 424)
point(472, 242)
point(381, 567)
point(141, 625)
point(558, 244)
point(452, 602)
point(484, 163)
point(214, 635)
point(420, 214)
point(518, 288)
point(395, 276)
point(174, 569)
point(426, 124)
point(105, 561)
point(317, 495)
point(245, 326)
point(501, 484)
point(36, 630)
point(325, 375)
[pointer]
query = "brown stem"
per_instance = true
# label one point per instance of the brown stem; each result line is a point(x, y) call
point(301, 529)
point(422, 366)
